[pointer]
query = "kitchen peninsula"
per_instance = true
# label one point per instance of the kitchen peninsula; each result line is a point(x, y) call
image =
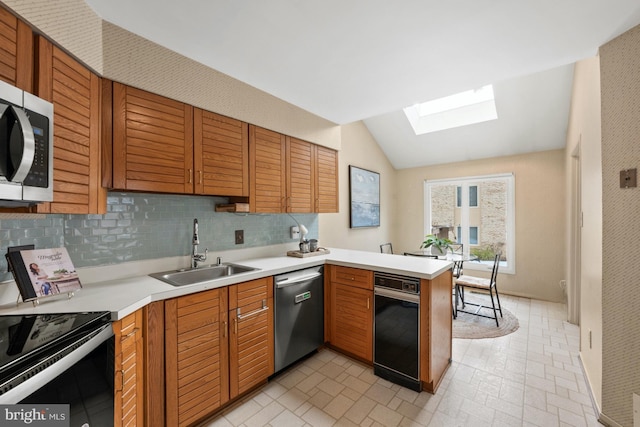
point(127, 291)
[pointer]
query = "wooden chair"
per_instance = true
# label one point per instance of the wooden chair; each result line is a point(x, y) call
point(481, 284)
point(386, 248)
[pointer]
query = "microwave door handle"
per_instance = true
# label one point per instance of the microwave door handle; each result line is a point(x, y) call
point(26, 153)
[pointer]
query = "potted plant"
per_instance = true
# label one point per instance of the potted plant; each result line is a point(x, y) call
point(437, 244)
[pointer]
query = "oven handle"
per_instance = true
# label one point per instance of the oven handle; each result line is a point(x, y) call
point(402, 296)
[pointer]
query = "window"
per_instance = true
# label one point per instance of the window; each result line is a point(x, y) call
point(473, 235)
point(473, 196)
point(478, 212)
point(461, 109)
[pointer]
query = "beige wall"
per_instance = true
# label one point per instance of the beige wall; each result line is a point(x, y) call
point(360, 149)
point(540, 216)
point(125, 57)
point(620, 91)
point(584, 161)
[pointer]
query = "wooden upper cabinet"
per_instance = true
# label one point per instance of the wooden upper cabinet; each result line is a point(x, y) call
point(290, 175)
point(75, 93)
point(152, 142)
point(326, 180)
point(221, 155)
point(16, 51)
point(300, 174)
point(267, 159)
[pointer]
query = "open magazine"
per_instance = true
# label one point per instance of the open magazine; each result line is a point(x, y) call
point(43, 272)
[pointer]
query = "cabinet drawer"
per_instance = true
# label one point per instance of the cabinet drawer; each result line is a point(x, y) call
point(250, 295)
point(352, 276)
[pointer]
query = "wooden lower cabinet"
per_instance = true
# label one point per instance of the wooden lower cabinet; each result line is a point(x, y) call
point(251, 334)
point(436, 327)
point(196, 356)
point(129, 371)
point(351, 311)
point(218, 345)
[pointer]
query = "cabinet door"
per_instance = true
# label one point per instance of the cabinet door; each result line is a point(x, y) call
point(436, 328)
point(326, 181)
point(352, 320)
point(268, 165)
point(300, 173)
point(75, 93)
point(196, 356)
point(251, 334)
point(152, 142)
point(129, 363)
point(221, 155)
point(16, 45)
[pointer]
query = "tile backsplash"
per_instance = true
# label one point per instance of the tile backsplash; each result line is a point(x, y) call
point(146, 226)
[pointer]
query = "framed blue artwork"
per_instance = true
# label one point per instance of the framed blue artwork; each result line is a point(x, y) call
point(364, 198)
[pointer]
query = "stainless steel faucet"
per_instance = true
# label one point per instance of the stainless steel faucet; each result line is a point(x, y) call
point(195, 256)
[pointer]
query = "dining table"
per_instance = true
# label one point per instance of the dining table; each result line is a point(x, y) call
point(456, 258)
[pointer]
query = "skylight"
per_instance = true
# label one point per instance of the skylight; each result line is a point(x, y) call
point(461, 109)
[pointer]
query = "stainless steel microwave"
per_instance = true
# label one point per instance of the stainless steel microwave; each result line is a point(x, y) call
point(26, 148)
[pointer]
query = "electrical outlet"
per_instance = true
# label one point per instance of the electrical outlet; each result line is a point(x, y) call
point(239, 237)
point(295, 232)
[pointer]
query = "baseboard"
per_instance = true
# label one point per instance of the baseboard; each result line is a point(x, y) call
point(602, 419)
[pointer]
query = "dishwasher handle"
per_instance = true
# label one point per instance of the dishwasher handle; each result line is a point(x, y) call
point(292, 280)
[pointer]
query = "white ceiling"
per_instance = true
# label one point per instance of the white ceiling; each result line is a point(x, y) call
point(367, 59)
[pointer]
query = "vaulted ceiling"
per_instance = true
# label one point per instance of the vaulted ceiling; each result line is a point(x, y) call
point(367, 59)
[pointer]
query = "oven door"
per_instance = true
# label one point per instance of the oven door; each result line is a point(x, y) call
point(396, 353)
point(61, 359)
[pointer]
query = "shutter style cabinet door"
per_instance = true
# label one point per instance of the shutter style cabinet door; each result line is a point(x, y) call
point(326, 182)
point(267, 157)
point(16, 51)
point(196, 356)
point(251, 334)
point(221, 155)
point(152, 142)
point(75, 93)
point(300, 176)
point(129, 361)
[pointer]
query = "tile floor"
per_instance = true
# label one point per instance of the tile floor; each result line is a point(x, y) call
point(531, 377)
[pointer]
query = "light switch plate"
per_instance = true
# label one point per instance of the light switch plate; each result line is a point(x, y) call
point(628, 178)
point(239, 237)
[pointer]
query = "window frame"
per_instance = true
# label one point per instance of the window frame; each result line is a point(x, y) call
point(508, 266)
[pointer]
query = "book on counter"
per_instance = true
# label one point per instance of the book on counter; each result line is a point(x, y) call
point(43, 272)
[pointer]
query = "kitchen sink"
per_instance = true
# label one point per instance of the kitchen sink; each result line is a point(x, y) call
point(191, 276)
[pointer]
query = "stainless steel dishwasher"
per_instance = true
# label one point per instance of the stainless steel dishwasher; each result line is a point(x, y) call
point(299, 315)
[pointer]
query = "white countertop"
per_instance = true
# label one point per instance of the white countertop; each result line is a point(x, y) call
point(124, 295)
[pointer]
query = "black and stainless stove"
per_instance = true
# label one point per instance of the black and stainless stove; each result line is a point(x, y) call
point(40, 352)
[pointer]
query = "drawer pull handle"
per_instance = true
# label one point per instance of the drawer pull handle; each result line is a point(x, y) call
point(265, 307)
point(368, 303)
point(130, 334)
point(224, 329)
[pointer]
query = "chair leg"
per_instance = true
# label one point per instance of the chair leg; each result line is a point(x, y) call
point(493, 304)
point(455, 306)
point(499, 305)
